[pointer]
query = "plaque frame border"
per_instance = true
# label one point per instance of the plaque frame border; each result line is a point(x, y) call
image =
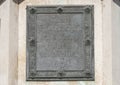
point(31, 73)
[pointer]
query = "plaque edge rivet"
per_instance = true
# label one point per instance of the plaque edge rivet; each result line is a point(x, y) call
point(32, 10)
point(59, 10)
point(87, 10)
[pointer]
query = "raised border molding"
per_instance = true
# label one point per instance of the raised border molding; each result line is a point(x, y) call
point(18, 1)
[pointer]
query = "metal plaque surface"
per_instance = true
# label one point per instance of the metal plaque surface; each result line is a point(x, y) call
point(60, 43)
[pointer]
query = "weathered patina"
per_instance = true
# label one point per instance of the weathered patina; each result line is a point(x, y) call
point(60, 43)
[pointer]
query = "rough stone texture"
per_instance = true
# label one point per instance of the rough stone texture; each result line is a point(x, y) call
point(116, 44)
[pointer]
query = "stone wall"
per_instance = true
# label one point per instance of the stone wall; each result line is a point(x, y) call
point(98, 41)
point(8, 43)
point(116, 44)
point(13, 42)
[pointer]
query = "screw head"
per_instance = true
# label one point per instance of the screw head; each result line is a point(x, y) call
point(59, 10)
point(87, 42)
point(88, 74)
point(32, 11)
point(60, 74)
point(87, 10)
point(32, 41)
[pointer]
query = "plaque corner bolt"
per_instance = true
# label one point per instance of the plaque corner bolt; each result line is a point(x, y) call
point(32, 10)
point(88, 74)
point(87, 10)
point(32, 74)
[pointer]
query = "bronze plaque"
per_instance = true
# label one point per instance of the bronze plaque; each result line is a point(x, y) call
point(60, 43)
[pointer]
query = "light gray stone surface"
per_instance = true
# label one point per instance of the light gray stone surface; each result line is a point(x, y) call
point(4, 43)
point(116, 44)
point(8, 43)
